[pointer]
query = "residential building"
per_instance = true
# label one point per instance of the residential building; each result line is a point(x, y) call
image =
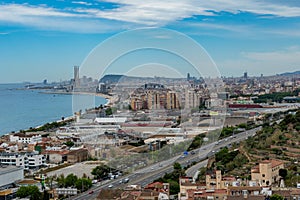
point(245, 192)
point(28, 160)
point(204, 194)
point(192, 99)
point(172, 100)
point(56, 156)
point(187, 183)
point(78, 155)
point(25, 138)
point(214, 180)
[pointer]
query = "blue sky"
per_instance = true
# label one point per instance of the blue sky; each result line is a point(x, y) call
point(42, 39)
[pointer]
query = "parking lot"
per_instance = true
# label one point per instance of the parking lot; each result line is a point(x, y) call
point(77, 169)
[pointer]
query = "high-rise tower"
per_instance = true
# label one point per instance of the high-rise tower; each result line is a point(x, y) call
point(76, 77)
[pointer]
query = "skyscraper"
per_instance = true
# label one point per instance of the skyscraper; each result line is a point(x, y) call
point(188, 77)
point(245, 75)
point(76, 77)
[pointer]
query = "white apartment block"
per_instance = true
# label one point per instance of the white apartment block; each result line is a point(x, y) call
point(26, 160)
point(24, 138)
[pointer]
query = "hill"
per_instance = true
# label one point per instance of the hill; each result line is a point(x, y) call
point(290, 73)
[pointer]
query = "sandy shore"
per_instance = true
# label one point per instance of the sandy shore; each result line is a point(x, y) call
point(108, 97)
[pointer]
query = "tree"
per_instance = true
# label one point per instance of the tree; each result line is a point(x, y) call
point(283, 173)
point(83, 184)
point(177, 166)
point(61, 181)
point(276, 197)
point(100, 171)
point(69, 143)
point(70, 180)
point(31, 191)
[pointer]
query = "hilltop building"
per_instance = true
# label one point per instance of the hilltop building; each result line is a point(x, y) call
point(267, 172)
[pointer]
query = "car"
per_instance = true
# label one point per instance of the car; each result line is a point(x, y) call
point(110, 186)
point(125, 180)
point(91, 192)
point(192, 152)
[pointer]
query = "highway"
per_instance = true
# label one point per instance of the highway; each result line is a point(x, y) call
point(150, 173)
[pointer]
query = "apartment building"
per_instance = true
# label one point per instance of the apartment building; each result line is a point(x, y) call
point(25, 138)
point(27, 160)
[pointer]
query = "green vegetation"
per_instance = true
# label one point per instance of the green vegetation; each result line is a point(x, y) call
point(229, 160)
point(276, 197)
point(110, 110)
point(69, 143)
point(30, 191)
point(72, 180)
point(101, 171)
point(278, 141)
point(275, 97)
point(173, 178)
point(49, 126)
point(202, 173)
point(197, 142)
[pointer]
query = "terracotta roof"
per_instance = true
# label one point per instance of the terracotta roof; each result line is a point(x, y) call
point(274, 163)
point(205, 193)
point(228, 178)
point(63, 152)
point(28, 181)
point(250, 188)
point(108, 194)
point(74, 152)
point(154, 185)
point(295, 192)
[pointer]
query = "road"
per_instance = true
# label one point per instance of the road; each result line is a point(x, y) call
point(150, 173)
point(192, 171)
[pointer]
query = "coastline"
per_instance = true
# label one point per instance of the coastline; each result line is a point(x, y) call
point(111, 99)
point(108, 102)
point(78, 93)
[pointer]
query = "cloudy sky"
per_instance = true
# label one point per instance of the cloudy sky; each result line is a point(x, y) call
point(42, 39)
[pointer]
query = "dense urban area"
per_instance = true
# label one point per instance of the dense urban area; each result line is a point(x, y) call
point(162, 138)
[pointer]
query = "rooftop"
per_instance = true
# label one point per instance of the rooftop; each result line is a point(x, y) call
point(4, 169)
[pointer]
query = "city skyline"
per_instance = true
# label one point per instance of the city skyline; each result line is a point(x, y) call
point(44, 40)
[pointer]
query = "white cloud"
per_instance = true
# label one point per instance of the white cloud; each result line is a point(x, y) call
point(146, 12)
point(82, 3)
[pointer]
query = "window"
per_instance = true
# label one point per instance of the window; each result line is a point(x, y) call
point(263, 175)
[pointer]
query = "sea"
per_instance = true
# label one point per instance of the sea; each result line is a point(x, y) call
point(22, 108)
